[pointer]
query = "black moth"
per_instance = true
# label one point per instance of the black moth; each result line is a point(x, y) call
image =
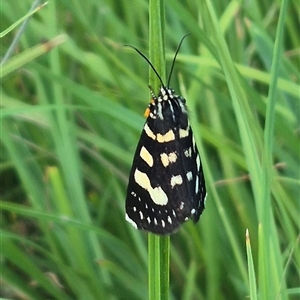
point(166, 182)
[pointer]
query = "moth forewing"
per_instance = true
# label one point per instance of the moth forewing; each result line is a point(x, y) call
point(163, 189)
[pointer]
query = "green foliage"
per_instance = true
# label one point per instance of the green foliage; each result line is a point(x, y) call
point(70, 121)
point(158, 246)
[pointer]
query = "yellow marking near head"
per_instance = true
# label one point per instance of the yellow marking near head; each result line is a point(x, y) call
point(147, 110)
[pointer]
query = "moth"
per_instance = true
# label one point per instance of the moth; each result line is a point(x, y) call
point(166, 182)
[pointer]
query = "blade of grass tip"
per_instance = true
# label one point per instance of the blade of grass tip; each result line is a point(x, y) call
point(251, 270)
point(25, 19)
point(158, 247)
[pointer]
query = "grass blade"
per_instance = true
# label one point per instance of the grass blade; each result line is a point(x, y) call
point(158, 247)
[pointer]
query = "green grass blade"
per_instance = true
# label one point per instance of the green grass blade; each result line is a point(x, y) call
point(30, 54)
point(247, 129)
point(271, 278)
point(158, 247)
point(14, 25)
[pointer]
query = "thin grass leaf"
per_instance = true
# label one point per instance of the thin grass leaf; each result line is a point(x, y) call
point(268, 173)
point(158, 247)
point(14, 25)
point(30, 54)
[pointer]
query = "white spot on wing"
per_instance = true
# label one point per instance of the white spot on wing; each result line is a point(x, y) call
point(189, 176)
point(172, 157)
point(149, 132)
point(188, 152)
point(176, 180)
point(183, 132)
point(198, 162)
point(146, 156)
point(167, 137)
point(197, 185)
point(141, 215)
point(157, 194)
point(166, 159)
point(142, 180)
point(194, 143)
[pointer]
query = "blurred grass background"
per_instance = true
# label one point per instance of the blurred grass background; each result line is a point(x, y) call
point(70, 122)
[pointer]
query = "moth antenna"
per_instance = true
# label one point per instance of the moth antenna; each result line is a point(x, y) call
point(148, 61)
point(174, 59)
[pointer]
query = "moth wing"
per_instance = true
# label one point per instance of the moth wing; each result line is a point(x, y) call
point(161, 193)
